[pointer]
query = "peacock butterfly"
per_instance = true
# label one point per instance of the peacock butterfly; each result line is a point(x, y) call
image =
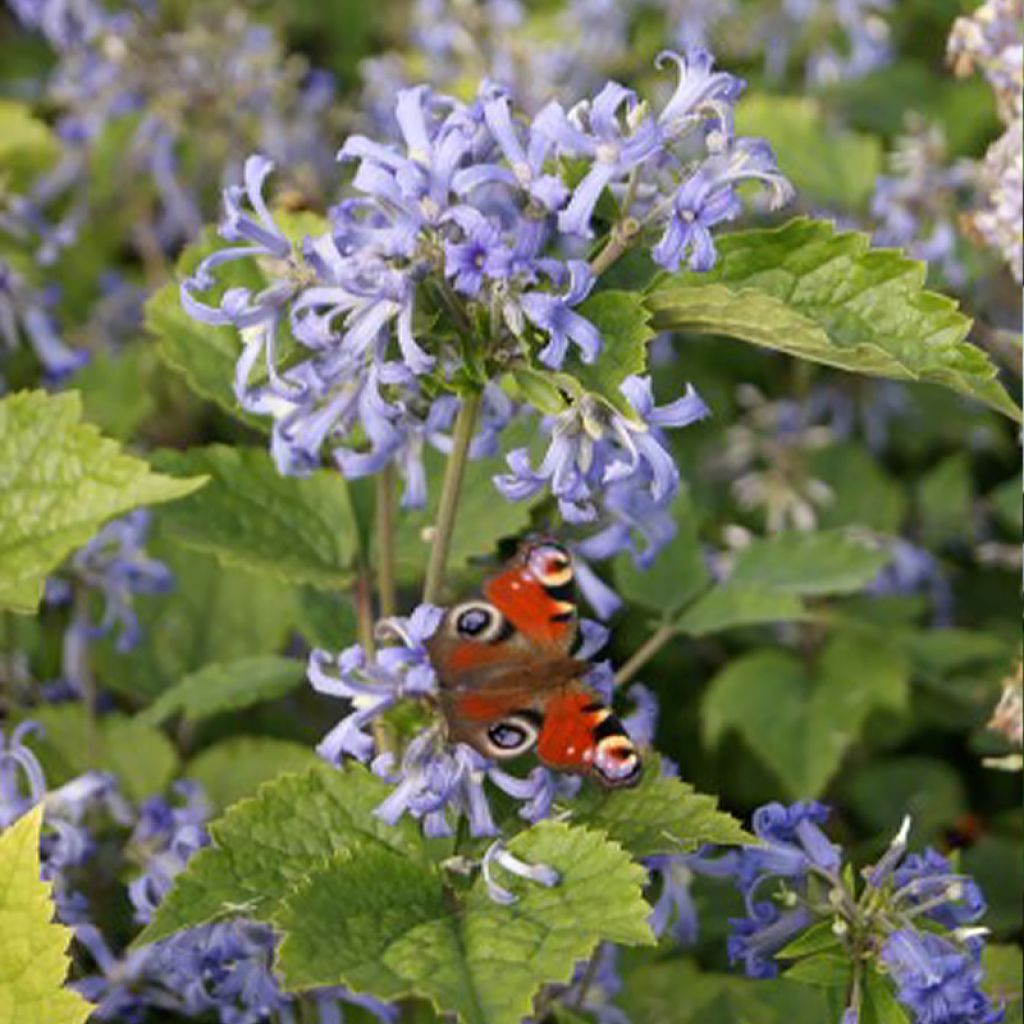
point(509, 682)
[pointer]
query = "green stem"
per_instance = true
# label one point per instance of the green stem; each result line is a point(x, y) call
point(643, 654)
point(622, 237)
point(451, 490)
point(362, 598)
point(385, 513)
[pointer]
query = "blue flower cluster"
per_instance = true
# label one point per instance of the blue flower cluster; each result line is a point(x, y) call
point(129, 66)
point(456, 260)
point(911, 917)
point(221, 969)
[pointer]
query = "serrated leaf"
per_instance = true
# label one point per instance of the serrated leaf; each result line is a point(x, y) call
point(249, 516)
point(622, 319)
point(401, 934)
point(826, 166)
point(237, 767)
point(863, 493)
point(141, 757)
point(731, 605)
point(945, 501)
point(253, 615)
point(660, 815)
point(227, 686)
point(60, 480)
point(270, 842)
point(811, 564)
point(828, 297)
point(801, 723)
point(33, 949)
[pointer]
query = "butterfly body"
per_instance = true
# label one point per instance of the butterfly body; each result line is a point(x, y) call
point(509, 683)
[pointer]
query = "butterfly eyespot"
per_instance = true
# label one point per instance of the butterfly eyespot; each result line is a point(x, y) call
point(511, 736)
point(477, 621)
point(551, 564)
point(617, 762)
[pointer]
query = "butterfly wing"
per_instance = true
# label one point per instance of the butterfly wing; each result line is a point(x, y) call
point(508, 682)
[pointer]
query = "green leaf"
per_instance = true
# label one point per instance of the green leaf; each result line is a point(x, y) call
point(811, 564)
point(805, 290)
point(863, 493)
point(141, 757)
point(401, 934)
point(33, 949)
point(823, 970)
point(213, 614)
point(801, 724)
point(300, 530)
point(660, 815)
point(27, 145)
point(484, 518)
point(816, 939)
point(60, 480)
point(678, 573)
point(117, 391)
point(326, 618)
point(739, 604)
point(945, 501)
point(1004, 978)
point(826, 166)
point(227, 686)
point(879, 1001)
point(622, 319)
point(537, 388)
point(237, 767)
point(270, 842)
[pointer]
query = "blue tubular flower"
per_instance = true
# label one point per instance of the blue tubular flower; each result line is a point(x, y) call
point(164, 838)
point(674, 911)
point(756, 939)
point(554, 315)
point(498, 855)
point(525, 166)
point(121, 991)
point(937, 981)
point(928, 878)
point(25, 312)
point(22, 783)
point(482, 253)
point(708, 198)
point(395, 673)
point(595, 984)
point(612, 130)
point(703, 96)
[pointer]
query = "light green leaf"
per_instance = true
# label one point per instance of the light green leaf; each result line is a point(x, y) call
point(678, 572)
point(826, 166)
point(300, 530)
point(401, 935)
point(660, 815)
point(805, 290)
point(227, 686)
point(811, 564)
point(622, 319)
point(326, 618)
point(253, 615)
point(33, 949)
point(537, 388)
point(802, 723)
point(270, 842)
point(26, 145)
point(739, 604)
point(141, 757)
point(237, 767)
point(60, 480)
point(863, 493)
